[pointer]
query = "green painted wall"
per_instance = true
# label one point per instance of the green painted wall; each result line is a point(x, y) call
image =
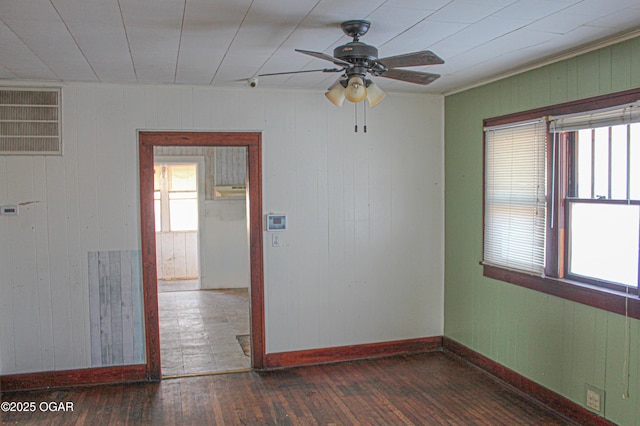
point(559, 344)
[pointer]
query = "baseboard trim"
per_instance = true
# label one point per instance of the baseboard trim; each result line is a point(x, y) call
point(71, 378)
point(138, 373)
point(352, 352)
point(554, 401)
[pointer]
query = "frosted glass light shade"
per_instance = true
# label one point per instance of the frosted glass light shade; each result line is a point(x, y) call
point(375, 94)
point(335, 94)
point(356, 91)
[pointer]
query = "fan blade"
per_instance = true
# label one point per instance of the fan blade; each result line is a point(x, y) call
point(324, 56)
point(415, 59)
point(417, 77)
point(300, 72)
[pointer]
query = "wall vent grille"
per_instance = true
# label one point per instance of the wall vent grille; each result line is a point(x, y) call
point(30, 121)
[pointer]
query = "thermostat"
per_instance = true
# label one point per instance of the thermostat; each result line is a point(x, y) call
point(276, 222)
point(9, 210)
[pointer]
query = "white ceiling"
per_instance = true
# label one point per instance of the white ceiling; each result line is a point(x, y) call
point(223, 42)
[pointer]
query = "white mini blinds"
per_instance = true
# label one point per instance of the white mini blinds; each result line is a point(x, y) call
point(515, 196)
point(606, 117)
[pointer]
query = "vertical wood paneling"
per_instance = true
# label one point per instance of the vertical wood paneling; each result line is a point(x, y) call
point(558, 85)
point(151, 120)
point(104, 291)
point(191, 254)
point(180, 254)
point(290, 289)
point(167, 266)
point(60, 293)
point(42, 262)
point(94, 309)
point(275, 194)
point(635, 64)
point(615, 357)
point(323, 298)
point(202, 109)
point(168, 107)
point(253, 104)
point(134, 119)
point(87, 226)
point(336, 225)
point(621, 63)
point(605, 71)
point(116, 308)
point(380, 214)
point(111, 174)
point(357, 206)
point(539, 85)
point(306, 191)
point(217, 108)
point(137, 308)
point(127, 308)
point(572, 79)
point(569, 384)
point(186, 108)
point(588, 74)
point(7, 356)
point(231, 114)
point(78, 290)
point(230, 165)
point(559, 344)
point(23, 272)
point(177, 255)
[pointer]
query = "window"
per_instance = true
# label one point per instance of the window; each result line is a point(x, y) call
point(515, 196)
point(602, 203)
point(175, 197)
point(562, 199)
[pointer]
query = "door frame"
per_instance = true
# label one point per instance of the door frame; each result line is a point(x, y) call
point(253, 142)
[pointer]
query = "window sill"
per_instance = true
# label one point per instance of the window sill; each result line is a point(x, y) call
point(602, 298)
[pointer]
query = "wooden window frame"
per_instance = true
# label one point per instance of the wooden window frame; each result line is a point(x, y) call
point(613, 298)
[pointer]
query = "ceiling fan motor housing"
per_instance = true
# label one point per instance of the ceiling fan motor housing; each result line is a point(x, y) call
point(355, 51)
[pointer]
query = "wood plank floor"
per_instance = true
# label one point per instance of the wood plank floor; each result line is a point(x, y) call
point(426, 389)
point(199, 331)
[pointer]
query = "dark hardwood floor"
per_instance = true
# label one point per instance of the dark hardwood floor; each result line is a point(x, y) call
point(426, 389)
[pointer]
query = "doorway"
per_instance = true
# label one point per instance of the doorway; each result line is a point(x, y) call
point(204, 312)
point(252, 142)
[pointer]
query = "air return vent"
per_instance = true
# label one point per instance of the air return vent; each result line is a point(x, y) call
point(30, 121)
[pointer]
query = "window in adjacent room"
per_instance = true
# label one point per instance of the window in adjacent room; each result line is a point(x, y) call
point(176, 197)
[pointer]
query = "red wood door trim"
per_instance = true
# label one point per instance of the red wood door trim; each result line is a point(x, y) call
point(253, 142)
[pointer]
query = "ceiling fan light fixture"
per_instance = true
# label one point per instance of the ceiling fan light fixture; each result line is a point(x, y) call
point(375, 94)
point(335, 94)
point(356, 91)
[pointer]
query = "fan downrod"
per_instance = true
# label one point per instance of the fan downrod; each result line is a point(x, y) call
point(355, 28)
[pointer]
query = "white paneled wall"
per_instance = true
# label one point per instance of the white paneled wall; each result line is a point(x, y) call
point(361, 262)
point(225, 238)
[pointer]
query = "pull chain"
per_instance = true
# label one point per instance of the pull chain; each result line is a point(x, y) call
point(364, 108)
point(355, 104)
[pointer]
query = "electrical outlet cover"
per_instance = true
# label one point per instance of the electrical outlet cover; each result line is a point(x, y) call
point(594, 399)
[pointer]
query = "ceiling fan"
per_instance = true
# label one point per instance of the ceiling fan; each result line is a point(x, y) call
point(356, 61)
